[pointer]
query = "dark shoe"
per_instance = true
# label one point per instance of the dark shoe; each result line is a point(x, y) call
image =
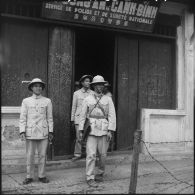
point(99, 178)
point(75, 158)
point(83, 156)
point(92, 183)
point(27, 181)
point(44, 180)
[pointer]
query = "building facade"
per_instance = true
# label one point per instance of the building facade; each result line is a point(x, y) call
point(151, 72)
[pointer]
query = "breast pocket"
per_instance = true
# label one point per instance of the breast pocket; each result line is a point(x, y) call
point(43, 109)
point(80, 101)
point(31, 109)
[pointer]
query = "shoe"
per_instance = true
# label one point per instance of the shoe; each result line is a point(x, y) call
point(99, 178)
point(92, 183)
point(27, 181)
point(83, 156)
point(75, 158)
point(44, 180)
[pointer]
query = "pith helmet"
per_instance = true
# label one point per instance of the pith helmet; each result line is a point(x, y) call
point(77, 83)
point(36, 80)
point(84, 77)
point(107, 84)
point(98, 79)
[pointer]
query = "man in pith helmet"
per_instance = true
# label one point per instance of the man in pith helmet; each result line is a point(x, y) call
point(100, 110)
point(36, 126)
point(78, 98)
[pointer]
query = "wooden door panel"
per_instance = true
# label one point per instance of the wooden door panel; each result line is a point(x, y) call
point(26, 58)
point(156, 74)
point(146, 79)
point(59, 89)
point(127, 91)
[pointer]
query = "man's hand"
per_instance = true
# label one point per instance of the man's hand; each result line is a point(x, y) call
point(50, 136)
point(80, 135)
point(109, 136)
point(22, 136)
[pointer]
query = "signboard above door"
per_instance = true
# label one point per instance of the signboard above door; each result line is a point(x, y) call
point(131, 15)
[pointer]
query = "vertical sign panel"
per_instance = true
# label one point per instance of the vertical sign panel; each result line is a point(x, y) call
point(59, 80)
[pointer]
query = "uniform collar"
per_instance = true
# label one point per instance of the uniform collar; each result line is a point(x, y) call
point(36, 96)
point(99, 95)
point(85, 91)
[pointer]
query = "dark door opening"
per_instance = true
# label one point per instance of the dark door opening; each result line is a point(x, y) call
point(94, 54)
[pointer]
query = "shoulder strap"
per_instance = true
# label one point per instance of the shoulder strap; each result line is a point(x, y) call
point(95, 105)
point(100, 107)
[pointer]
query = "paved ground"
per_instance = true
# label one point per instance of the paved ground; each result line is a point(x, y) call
point(151, 179)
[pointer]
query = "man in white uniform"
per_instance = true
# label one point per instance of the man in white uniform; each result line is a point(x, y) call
point(77, 101)
point(36, 125)
point(100, 110)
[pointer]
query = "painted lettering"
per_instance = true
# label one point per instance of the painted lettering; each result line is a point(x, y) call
point(53, 6)
point(140, 10)
point(126, 7)
point(102, 20)
point(109, 21)
point(144, 11)
point(102, 5)
point(104, 14)
point(80, 3)
point(154, 12)
point(120, 7)
point(148, 12)
point(87, 4)
point(69, 9)
point(132, 8)
point(95, 5)
point(113, 6)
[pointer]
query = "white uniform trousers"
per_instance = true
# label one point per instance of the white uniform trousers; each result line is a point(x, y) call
point(78, 145)
point(96, 144)
point(31, 146)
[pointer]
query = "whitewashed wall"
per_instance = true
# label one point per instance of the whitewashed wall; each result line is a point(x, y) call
point(172, 131)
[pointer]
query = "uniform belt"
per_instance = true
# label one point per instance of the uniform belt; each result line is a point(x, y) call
point(97, 117)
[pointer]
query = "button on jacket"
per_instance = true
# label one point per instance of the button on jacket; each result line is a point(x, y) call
point(78, 98)
point(101, 121)
point(36, 118)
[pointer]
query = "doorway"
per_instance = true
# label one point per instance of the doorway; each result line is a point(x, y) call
point(94, 54)
point(145, 74)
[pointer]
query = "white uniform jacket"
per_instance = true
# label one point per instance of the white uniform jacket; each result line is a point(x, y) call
point(36, 118)
point(77, 101)
point(101, 121)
